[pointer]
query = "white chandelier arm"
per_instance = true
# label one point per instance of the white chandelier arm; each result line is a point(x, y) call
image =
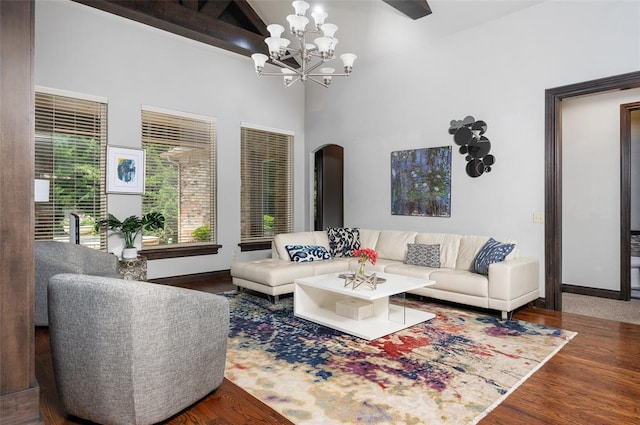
point(317, 81)
point(284, 65)
point(313, 67)
point(332, 75)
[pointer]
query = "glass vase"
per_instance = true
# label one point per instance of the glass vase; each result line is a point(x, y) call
point(361, 270)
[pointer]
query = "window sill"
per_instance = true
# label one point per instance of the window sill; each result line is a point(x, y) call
point(176, 251)
point(254, 246)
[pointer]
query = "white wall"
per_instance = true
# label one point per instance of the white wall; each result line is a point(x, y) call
point(497, 72)
point(85, 50)
point(591, 189)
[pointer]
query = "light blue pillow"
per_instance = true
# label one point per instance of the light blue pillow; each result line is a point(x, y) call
point(492, 252)
point(306, 253)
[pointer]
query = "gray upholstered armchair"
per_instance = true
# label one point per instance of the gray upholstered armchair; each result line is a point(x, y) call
point(129, 352)
point(53, 258)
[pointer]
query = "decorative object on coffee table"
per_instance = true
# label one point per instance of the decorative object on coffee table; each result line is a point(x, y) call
point(359, 279)
point(364, 255)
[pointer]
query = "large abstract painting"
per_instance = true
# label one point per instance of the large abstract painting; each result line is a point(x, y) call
point(421, 182)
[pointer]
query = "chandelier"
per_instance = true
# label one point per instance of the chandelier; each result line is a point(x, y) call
point(309, 56)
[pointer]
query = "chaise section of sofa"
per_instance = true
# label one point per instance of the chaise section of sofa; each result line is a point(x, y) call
point(274, 276)
point(508, 285)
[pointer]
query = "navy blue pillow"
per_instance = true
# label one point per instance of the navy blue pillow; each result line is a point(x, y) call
point(306, 253)
point(492, 252)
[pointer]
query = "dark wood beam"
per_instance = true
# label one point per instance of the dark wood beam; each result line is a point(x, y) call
point(172, 16)
point(193, 4)
point(215, 8)
point(252, 17)
point(415, 9)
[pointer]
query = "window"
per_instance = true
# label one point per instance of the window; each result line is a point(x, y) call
point(70, 149)
point(180, 176)
point(267, 186)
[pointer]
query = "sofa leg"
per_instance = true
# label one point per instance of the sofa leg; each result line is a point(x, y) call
point(507, 315)
point(274, 299)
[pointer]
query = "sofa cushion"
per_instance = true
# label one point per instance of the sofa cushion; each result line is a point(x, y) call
point(281, 240)
point(272, 272)
point(343, 241)
point(461, 282)
point(369, 238)
point(321, 238)
point(449, 246)
point(332, 266)
point(492, 252)
point(392, 244)
point(471, 245)
point(425, 255)
point(409, 270)
point(306, 253)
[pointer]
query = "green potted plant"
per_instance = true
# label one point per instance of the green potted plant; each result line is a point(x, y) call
point(130, 228)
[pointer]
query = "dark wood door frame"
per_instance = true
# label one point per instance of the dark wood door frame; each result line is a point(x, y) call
point(625, 198)
point(553, 174)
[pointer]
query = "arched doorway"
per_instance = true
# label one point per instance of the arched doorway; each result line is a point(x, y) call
point(328, 202)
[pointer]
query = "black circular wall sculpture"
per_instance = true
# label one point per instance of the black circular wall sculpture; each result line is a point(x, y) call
point(469, 135)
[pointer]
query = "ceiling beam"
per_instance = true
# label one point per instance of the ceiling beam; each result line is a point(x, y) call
point(215, 8)
point(183, 20)
point(252, 17)
point(415, 9)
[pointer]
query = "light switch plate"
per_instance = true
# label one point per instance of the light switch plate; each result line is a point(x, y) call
point(538, 217)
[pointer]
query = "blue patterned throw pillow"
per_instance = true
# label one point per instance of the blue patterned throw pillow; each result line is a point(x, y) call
point(492, 252)
point(306, 253)
point(343, 241)
point(425, 255)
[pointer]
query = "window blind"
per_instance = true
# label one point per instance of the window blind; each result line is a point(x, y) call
point(267, 184)
point(70, 150)
point(180, 176)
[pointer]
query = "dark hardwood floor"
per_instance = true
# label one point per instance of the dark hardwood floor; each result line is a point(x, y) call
point(595, 379)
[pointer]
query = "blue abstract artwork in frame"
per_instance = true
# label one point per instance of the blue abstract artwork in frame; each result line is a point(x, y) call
point(421, 182)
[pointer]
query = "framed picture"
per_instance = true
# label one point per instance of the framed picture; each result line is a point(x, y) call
point(421, 182)
point(125, 170)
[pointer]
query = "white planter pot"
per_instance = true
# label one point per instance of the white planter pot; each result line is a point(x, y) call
point(129, 253)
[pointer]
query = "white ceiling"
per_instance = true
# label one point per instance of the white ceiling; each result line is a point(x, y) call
point(372, 29)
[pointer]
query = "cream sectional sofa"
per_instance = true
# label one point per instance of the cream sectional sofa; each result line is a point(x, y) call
point(508, 285)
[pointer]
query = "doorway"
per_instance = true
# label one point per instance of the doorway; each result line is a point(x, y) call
point(328, 187)
point(630, 145)
point(553, 179)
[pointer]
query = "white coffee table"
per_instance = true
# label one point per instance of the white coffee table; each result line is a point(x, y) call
point(315, 299)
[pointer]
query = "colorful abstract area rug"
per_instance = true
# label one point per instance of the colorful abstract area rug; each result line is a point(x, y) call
point(453, 369)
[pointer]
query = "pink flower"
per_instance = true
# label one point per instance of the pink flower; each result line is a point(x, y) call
point(366, 254)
